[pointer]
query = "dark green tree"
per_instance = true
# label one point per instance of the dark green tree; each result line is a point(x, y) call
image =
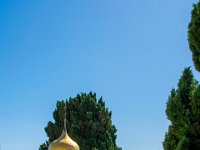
point(194, 35)
point(195, 120)
point(179, 111)
point(118, 148)
point(88, 122)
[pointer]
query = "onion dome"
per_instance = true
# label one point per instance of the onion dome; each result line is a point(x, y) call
point(64, 142)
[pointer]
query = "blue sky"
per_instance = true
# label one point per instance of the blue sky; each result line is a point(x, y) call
point(130, 52)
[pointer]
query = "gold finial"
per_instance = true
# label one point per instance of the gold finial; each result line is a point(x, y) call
point(65, 120)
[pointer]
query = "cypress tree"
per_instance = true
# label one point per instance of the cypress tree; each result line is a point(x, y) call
point(179, 111)
point(194, 35)
point(195, 120)
point(88, 122)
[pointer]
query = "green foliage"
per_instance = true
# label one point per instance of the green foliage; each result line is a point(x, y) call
point(194, 35)
point(171, 139)
point(183, 110)
point(44, 146)
point(118, 148)
point(195, 119)
point(88, 122)
point(183, 144)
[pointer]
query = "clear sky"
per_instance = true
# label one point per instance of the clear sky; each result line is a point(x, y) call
point(131, 52)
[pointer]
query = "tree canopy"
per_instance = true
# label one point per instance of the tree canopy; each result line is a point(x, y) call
point(88, 122)
point(183, 111)
point(194, 35)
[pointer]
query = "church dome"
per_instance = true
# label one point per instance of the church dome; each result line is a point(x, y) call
point(64, 142)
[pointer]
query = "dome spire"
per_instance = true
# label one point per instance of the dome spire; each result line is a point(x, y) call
point(65, 116)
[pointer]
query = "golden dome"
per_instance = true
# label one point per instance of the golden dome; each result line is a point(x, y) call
point(64, 142)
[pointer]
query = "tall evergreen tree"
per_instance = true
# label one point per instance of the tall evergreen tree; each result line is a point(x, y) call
point(194, 35)
point(179, 112)
point(195, 120)
point(88, 122)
